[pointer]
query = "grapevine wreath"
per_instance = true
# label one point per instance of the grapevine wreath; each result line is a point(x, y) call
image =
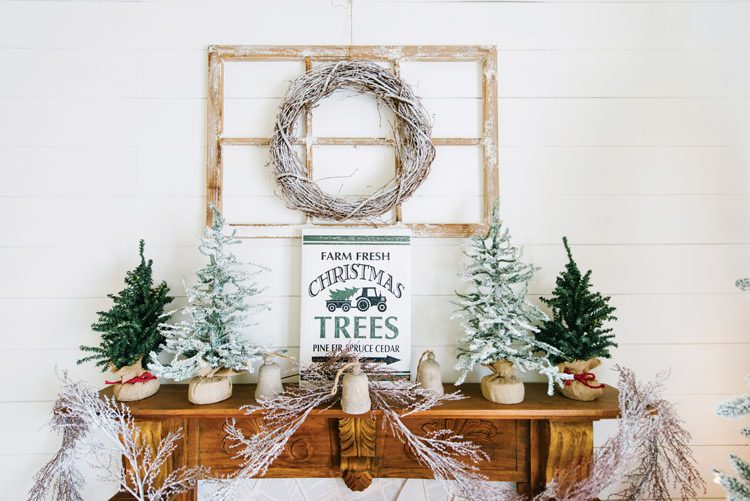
point(411, 131)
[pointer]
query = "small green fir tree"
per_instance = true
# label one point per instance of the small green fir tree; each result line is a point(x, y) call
point(576, 328)
point(343, 294)
point(737, 487)
point(211, 336)
point(130, 329)
point(497, 318)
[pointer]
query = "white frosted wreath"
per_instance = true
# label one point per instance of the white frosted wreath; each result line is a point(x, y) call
point(411, 132)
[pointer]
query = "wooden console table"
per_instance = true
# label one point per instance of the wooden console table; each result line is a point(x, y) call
point(528, 443)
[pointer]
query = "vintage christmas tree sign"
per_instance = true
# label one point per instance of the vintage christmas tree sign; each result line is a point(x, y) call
point(356, 290)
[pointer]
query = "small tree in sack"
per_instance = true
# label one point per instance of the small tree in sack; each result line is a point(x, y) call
point(497, 318)
point(130, 331)
point(577, 329)
point(209, 346)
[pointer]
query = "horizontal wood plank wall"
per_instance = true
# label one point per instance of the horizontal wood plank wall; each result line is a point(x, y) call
point(622, 124)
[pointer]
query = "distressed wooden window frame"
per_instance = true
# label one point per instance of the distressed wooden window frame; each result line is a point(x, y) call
point(219, 54)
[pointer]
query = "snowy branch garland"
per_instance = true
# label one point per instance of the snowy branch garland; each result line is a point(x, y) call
point(411, 131)
point(102, 432)
point(443, 451)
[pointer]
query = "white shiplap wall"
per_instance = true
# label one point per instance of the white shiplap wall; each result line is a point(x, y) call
point(624, 125)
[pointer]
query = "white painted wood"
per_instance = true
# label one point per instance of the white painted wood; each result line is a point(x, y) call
point(624, 170)
point(443, 209)
point(652, 219)
point(260, 79)
point(102, 122)
point(443, 79)
point(555, 25)
point(67, 172)
point(171, 172)
point(237, 113)
point(170, 74)
point(153, 25)
point(347, 114)
point(623, 124)
point(456, 170)
point(617, 73)
point(259, 210)
point(86, 72)
point(353, 170)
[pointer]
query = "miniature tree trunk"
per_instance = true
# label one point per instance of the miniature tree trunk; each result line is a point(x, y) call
point(584, 387)
point(502, 387)
point(128, 390)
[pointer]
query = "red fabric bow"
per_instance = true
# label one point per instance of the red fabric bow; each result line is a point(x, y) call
point(146, 376)
point(583, 379)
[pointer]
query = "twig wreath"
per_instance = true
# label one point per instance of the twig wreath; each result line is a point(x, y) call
point(411, 132)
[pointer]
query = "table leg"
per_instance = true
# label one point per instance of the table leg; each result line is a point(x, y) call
point(569, 451)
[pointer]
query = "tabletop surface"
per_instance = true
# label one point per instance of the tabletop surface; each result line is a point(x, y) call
point(171, 400)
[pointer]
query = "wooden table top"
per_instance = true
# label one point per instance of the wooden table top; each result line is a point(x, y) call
point(171, 400)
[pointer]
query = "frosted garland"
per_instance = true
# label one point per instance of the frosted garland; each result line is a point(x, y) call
point(650, 451)
point(443, 451)
point(101, 432)
point(211, 339)
point(497, 319)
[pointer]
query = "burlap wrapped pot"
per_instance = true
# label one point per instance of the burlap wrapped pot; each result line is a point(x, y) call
point(124, 391)
point(210, 386)
point(584, 387)
point(502, 387)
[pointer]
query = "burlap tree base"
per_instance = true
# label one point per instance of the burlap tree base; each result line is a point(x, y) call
point(134, 384)
point(210, 386)
point(209, 390)
point(584, 387)
point(502, 387)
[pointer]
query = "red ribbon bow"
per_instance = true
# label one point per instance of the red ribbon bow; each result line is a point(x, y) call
point(146, 376)
point(583, 379)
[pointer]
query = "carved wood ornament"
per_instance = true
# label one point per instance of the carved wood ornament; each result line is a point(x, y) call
point(358, 460)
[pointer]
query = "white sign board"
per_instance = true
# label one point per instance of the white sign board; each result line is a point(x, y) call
point(356, 291)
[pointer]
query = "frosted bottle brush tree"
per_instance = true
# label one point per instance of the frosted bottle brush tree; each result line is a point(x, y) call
point(209, 345)
point(737, 487)
point(130, 332)
point(498, 319)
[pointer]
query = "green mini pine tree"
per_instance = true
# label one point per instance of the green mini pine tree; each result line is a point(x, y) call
point(576, 328)
point(738, 488)
point(497, 317)
point(130, 329)
point(211, 338)
point(343, 294)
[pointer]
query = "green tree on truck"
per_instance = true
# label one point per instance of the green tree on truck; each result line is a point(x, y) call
point(369, 297)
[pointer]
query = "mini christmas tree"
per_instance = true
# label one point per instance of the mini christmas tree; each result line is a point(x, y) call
point(576, 328)
point(210, 339)
point(738, 488)
point(497, 318)
point(130, 329)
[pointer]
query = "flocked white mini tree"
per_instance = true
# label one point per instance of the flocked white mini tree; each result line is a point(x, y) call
point(497, 318)
point(211, 338)
point(737, 487)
